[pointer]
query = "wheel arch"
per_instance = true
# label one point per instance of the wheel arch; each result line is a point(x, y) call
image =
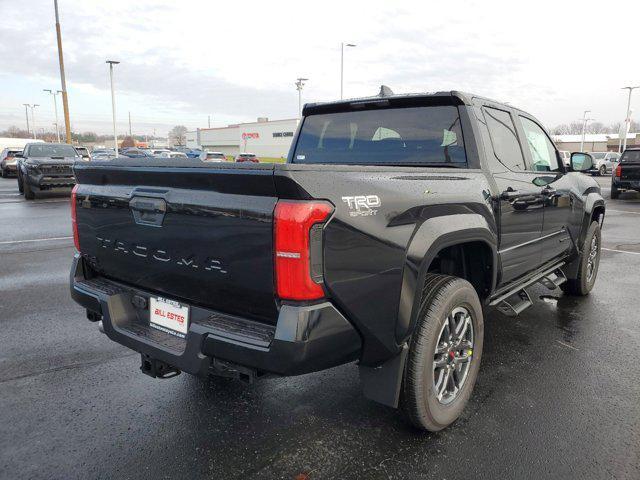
point(470, 233)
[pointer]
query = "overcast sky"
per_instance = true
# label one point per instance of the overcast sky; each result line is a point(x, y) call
point(184, 60)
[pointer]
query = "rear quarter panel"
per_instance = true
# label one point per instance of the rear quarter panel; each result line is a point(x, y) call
point(374, 249)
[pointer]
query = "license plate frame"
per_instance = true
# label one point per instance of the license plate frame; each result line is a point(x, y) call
point(169, 316)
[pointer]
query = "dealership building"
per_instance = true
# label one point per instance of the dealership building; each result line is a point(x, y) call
point(265, 138)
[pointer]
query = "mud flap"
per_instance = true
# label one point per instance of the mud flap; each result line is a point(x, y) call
point(382, 383)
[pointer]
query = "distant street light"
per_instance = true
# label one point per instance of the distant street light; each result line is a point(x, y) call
point(584, 127)
point(342, 45)
point(299, 85)
point(55, 108)
point(627, 121)
point(113, 103)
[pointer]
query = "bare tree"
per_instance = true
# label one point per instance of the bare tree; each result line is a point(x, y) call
point(178, 134)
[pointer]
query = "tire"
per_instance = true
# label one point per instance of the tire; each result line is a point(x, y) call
point(603, 171)
point(615, 193)
point(586, 276)
point(20, 187)
point(28, 193)
point(4, 173)
point(442, 295)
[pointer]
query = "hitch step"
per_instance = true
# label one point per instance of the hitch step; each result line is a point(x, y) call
point(515, 304)
point(157, 368)
point(553, 280)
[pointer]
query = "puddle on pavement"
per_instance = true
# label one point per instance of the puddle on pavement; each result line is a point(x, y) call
point(550, 299)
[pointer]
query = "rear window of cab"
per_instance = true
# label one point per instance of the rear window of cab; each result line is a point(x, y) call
point(428, 136)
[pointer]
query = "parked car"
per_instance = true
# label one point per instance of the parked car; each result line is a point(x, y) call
point(101, 156)
point(169, 154)
point(43, 166)
point(604, 162)
point(83, 152)
point(190, 152)
point(8, 161)
point(626, 175)
point(395, 222)
point(159, 152)
point(213, 157)
point(247, 157)
point(134, 153)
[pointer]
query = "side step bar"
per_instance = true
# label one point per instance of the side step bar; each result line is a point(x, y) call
point(515, 300)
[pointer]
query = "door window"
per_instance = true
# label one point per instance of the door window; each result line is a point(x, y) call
point(543, 153)
point(504, 139)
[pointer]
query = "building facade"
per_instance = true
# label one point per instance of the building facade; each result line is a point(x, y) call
point(267, 139)
point(598, 142)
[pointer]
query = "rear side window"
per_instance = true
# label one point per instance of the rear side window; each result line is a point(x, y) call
point(394, 136)
point(504, 139)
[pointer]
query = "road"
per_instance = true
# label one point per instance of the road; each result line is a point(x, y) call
point(558, 394)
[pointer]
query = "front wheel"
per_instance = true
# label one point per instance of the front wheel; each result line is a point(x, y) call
point(28, 192)
point(589, 262)
point(20, 188)
point(603, 170)
point(444, 353)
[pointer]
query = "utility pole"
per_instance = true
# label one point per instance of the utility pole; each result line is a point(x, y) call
point(130, 134)
point(627, 120)
point(26, 114)
point(55, 108)
point(33, 119)
point(209, 120)
point(63, 82)
point(342, 45)
point(299, 85)
point(584, 128)
point(113, 103)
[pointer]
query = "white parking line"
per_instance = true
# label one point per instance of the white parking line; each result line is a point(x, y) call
point(12, 242)
point(622, 211)
point(619, 251)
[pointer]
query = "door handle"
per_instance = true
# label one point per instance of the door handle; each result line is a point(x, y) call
point(509, 194)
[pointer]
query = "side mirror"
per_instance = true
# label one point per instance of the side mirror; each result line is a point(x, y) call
point(581, 162)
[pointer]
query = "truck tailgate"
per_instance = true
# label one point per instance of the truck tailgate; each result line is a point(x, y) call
point(630, 171)
point(198, 235)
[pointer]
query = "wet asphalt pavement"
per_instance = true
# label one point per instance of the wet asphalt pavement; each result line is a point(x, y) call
point(558, 394)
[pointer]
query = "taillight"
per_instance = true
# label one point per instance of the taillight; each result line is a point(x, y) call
point(618, 171)
point(298, 248)
point(74, 219)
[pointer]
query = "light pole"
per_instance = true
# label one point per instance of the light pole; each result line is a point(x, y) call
point(342, 45)
point(33, 119)
point(113, 103)
point(63, 82)
point(584, 128)
point(26, 114)
point(627, 120)
point(299, 85)
point(55, 108)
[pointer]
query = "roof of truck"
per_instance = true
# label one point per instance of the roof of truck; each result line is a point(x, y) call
point(447, 97)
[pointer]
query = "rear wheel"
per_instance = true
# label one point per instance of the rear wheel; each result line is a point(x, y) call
point(615, 193)
point(589, 261)
point(444, 353)
point(603, 170)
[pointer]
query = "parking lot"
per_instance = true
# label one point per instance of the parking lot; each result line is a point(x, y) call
point(558, 394)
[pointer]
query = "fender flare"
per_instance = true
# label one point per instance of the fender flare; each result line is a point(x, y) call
point(432, 236)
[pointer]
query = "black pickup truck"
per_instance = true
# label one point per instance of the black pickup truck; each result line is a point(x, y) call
point(395, 222)
point(626, 175)
point(43, 166)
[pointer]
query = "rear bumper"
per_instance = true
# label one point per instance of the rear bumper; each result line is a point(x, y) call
point(305, 339)
point(626, 184)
